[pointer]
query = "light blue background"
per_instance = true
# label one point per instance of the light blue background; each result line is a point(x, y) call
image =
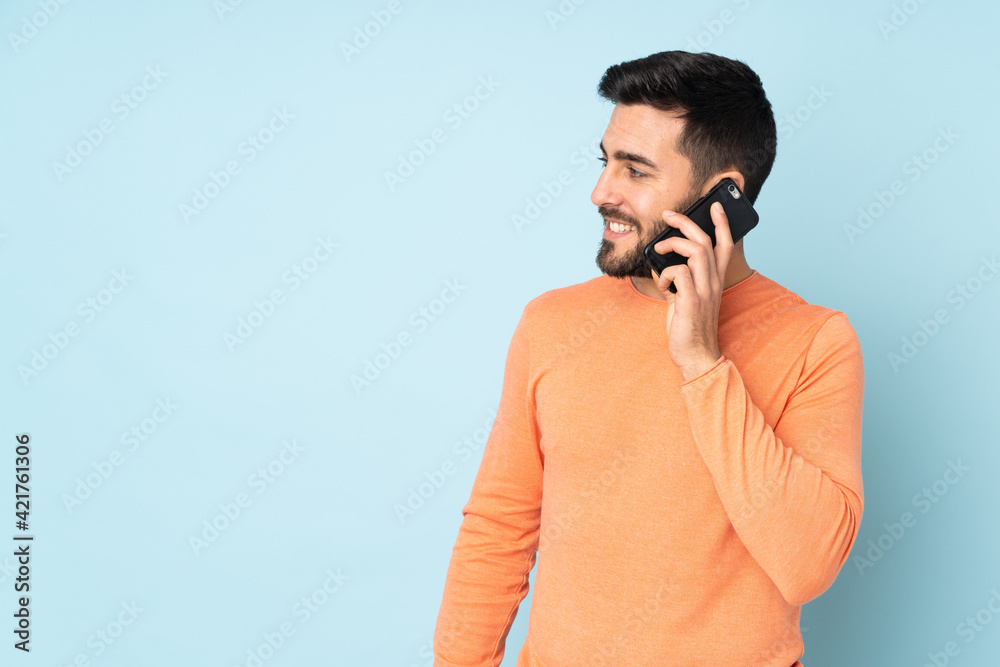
point(322, 176)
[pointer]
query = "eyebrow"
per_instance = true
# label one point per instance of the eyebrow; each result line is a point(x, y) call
point(631, 157)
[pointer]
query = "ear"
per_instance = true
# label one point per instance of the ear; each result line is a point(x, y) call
point(733, 174)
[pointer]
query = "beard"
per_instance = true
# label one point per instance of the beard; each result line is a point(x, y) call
point(623, 258)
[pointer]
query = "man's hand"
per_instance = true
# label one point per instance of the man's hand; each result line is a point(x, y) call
point(693, 313)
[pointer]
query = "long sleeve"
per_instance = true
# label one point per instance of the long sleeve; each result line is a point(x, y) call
point(498, 539)
point(793, 493)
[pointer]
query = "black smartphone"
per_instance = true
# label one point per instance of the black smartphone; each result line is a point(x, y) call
point(742, 218)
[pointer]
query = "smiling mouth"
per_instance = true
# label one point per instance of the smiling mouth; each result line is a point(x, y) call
point(615, 229)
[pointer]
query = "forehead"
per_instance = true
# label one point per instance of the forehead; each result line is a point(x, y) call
point(643, 129)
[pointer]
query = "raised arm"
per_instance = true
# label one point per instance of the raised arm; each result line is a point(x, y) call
point(793, 493)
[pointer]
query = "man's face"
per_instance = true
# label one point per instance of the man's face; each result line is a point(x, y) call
point(643, 176)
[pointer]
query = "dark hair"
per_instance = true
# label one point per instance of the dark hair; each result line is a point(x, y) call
point(728, 124)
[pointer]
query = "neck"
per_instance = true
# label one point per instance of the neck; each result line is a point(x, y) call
point(736, 271)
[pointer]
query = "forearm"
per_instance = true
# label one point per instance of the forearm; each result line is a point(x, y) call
point(797, 519)
point(497, 542)
point(486, 582)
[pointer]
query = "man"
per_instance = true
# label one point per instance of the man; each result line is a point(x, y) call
point(687, 466)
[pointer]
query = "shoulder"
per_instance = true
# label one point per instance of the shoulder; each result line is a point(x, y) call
point(591, 299)
point(774, 301)
point(821, 329)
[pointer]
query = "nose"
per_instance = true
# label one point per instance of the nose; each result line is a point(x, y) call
point(604, 193)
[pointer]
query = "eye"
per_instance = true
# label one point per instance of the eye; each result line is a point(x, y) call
point(632, 172)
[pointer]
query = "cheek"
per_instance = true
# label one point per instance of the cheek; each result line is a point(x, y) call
point(653, 223)
point(648, 209)
point(651, 231)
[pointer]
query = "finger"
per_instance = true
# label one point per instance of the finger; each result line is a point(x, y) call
point(687, 227)
point(697, 247)
point(665, 282)
point(665, 278)
point(699, 266)
point(723, 240)
point(678, 244)
point(684, 282)
point(700, 260)
point(673, 276)
point(701, 269)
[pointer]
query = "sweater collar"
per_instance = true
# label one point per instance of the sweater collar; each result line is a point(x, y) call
point(752, 279)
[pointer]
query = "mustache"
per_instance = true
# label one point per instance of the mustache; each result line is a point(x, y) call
point(615, 215)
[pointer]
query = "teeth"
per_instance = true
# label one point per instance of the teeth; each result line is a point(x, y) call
point(619, 228)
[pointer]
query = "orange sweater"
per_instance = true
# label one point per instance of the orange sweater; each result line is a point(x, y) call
point(675, 523)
